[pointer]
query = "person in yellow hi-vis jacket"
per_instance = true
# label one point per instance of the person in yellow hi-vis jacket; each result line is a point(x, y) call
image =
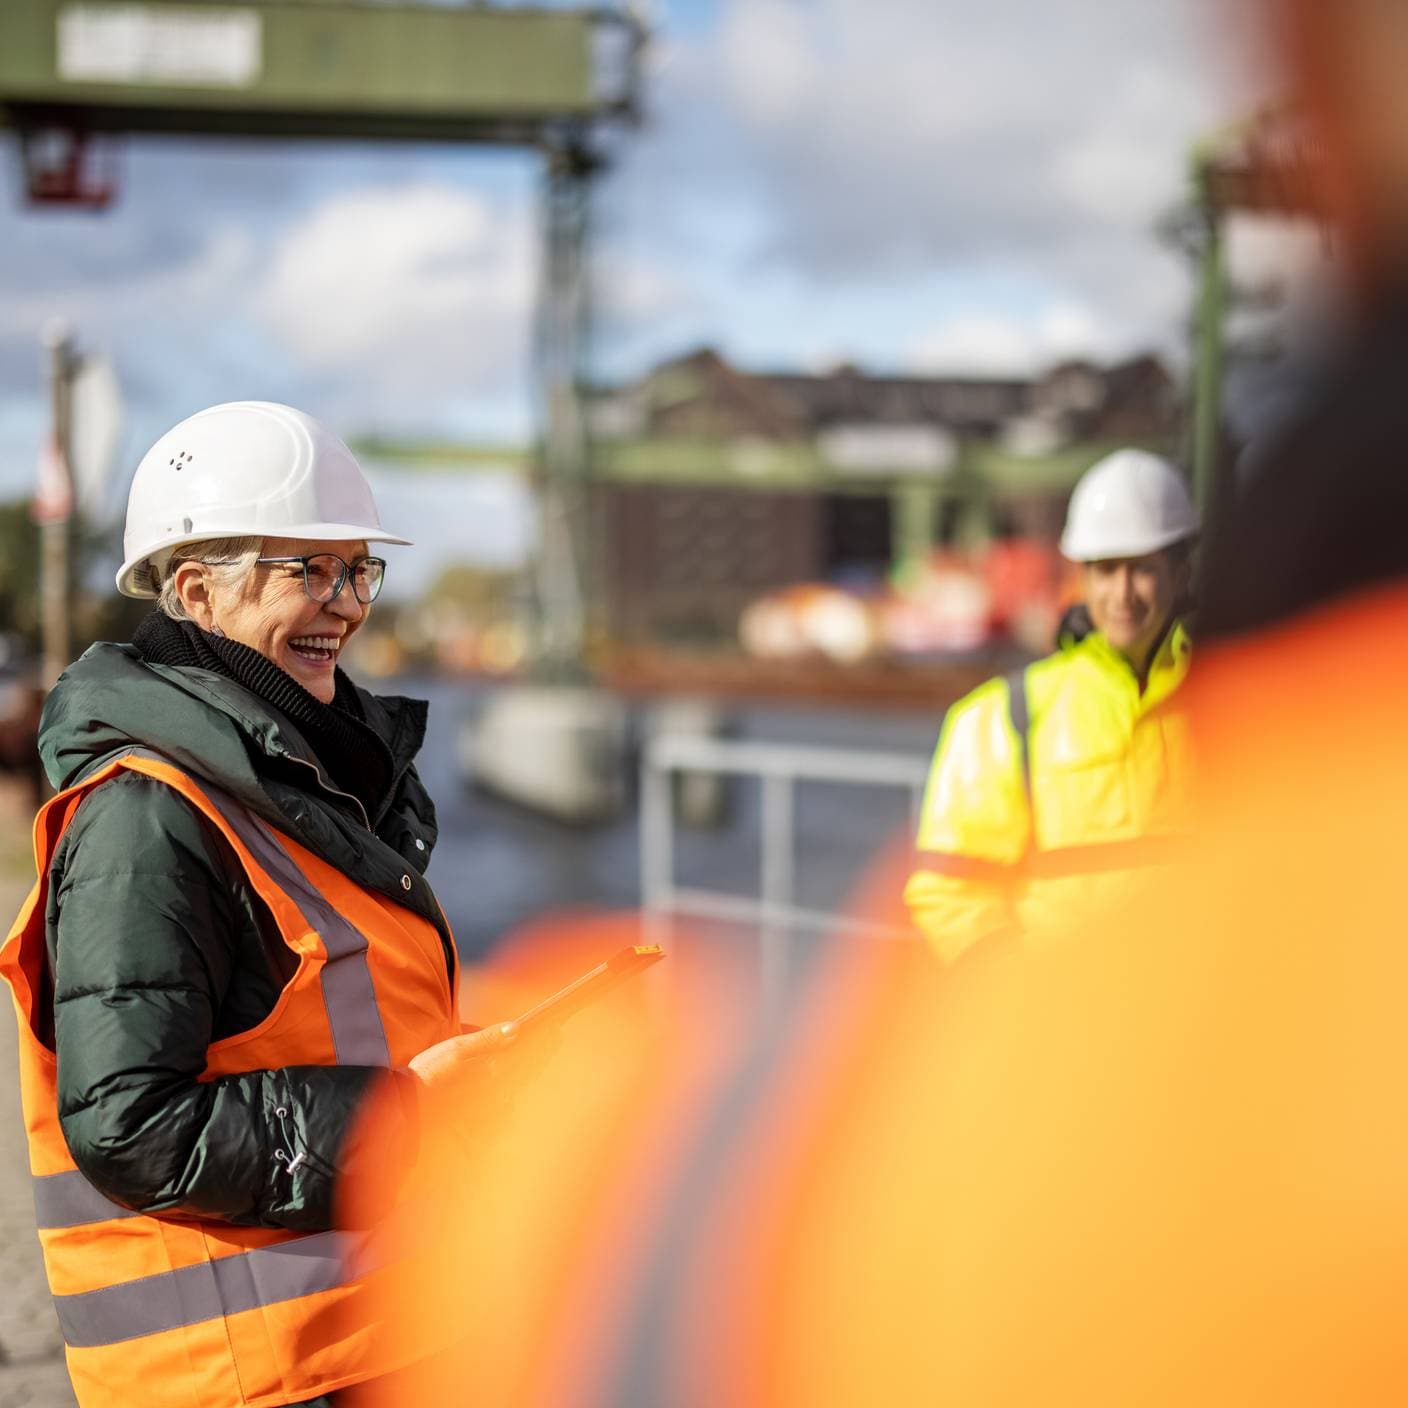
point(1052, 785)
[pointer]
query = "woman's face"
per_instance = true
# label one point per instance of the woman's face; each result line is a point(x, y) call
point(271, 612)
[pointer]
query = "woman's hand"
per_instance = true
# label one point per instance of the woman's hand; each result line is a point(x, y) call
point(448, 1062)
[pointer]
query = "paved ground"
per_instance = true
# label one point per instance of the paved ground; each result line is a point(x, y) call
point(31, 1353)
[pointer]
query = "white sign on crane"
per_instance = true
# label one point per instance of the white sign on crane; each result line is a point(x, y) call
point(203, 46)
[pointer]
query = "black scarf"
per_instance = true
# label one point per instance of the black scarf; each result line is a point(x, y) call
point(354, 756)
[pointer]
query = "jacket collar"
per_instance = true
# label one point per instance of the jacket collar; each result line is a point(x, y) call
point(1167, 669)
point(401, 722)
point(104, 704)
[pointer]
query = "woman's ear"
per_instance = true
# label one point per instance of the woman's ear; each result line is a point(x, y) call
point(193, 592)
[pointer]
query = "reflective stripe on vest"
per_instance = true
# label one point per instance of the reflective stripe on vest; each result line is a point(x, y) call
point(69, 1200)
point(207, 1290)
point(358, 1035)
point(357, 1032)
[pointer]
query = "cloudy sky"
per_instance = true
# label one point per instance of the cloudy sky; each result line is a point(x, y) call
point(908, 184)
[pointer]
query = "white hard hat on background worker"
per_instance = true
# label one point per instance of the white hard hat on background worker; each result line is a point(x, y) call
point(243, 469)
point(1129, 504)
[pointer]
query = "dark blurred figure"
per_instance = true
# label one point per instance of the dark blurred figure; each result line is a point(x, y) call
point(1325, 515)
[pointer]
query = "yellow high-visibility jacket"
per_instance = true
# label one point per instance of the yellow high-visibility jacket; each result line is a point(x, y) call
point(1048, 789)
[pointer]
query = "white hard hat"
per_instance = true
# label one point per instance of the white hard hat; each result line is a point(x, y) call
point(243, 469)
point(1127, 504)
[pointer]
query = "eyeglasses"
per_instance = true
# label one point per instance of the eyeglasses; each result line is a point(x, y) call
point(325, 574)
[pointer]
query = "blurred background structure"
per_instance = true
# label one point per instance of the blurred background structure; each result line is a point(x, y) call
point(731, 364)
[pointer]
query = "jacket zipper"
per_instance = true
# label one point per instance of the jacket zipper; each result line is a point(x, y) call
point(451, 957)
point(328, 787)
point(356, 801)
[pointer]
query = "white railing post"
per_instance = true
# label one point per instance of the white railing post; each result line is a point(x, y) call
point(779, 767)
point(777, 885)
point(657, 843)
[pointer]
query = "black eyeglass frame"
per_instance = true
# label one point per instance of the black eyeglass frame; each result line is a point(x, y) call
point(348, 571)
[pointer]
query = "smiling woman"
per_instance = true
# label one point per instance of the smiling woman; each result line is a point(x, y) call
point(285, 599)
point(231, 952)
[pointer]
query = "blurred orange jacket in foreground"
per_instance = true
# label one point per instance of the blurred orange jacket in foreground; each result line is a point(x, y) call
point(1165, 1163)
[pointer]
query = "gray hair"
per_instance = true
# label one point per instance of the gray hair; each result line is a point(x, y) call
point(230, 561)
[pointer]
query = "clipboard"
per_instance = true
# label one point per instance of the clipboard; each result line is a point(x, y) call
point(594, 983)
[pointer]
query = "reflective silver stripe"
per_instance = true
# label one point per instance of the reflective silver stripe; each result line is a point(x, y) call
point(359, 1037)
point(1020, 715)
point(208, 1290)
point(1097, 858)
point(965, 867)
point(69, 1200)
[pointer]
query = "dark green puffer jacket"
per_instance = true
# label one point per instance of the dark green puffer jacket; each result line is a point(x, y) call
point(158, 945)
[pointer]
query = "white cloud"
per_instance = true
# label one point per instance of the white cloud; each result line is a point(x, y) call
point(155, 294)
point(1128, 160)
point(978, 344)
point(988, 344)
point(887, 140)
point(404, 307)
point(424, 287)
point(955, 122)
point(634, 286)
point(774, 67)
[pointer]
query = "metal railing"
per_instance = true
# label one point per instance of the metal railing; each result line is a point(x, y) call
point(779, 767)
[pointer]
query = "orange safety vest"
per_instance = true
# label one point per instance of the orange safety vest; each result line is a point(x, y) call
point(175, 1310)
